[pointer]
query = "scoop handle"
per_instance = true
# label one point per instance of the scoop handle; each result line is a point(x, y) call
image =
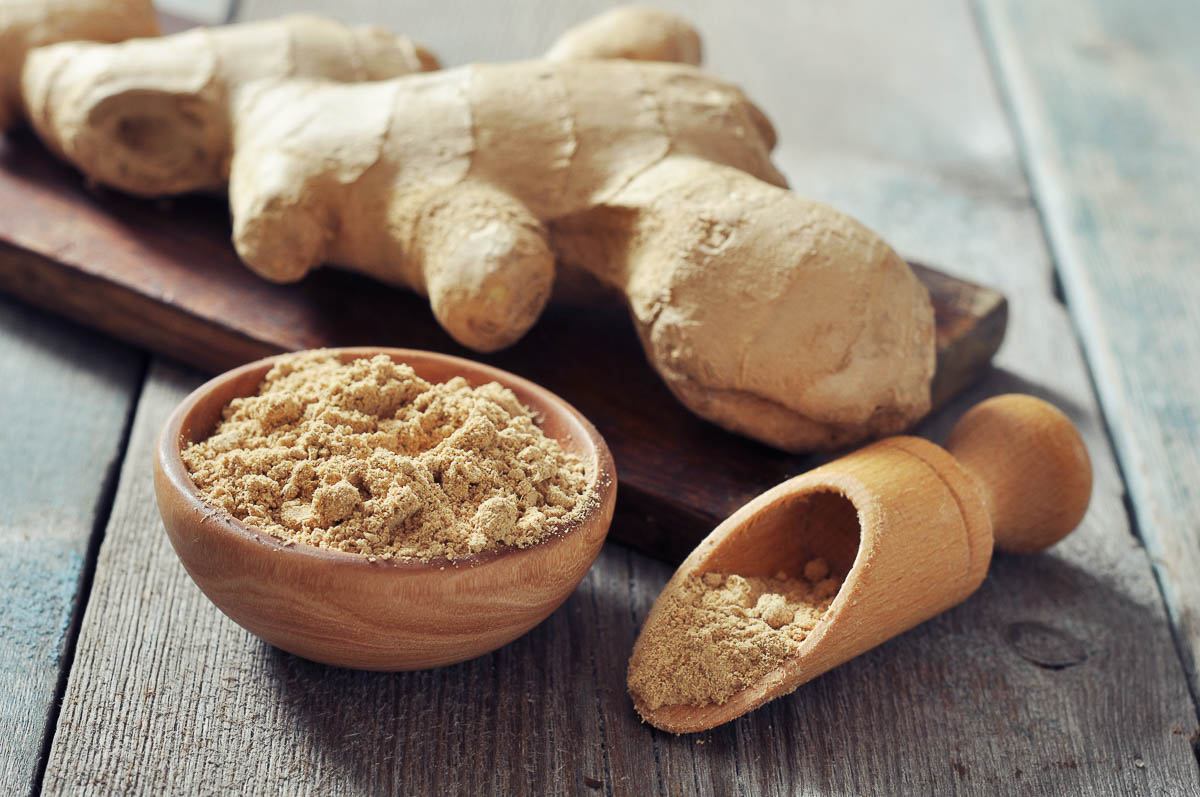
point(1030, 464)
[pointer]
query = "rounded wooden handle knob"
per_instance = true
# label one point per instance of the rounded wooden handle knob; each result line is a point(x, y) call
point(1031, 466)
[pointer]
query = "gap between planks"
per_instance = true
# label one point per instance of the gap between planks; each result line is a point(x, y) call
point(64, 404)
point(108, 495)
point(185, 701)
point(1104, 100)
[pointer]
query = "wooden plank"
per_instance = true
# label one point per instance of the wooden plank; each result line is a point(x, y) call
point(1107, 102)
point(1058, 677)
point(194, 704)
point(170, 280)
point(206, 12)
point(64, 400)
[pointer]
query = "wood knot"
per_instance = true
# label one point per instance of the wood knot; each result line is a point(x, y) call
point(1045, 646)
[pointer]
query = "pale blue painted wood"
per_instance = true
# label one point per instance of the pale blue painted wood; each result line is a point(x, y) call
point(1106, 98)
point(65, 395)
point(207, 12)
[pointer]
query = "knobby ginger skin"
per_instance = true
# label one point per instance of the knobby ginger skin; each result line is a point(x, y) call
point(151, 116)
point(25, 24)
point(769, 314)
point(772, 315)
point(639, 33)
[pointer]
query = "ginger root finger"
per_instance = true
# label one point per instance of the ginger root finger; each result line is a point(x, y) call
point(33, 23)
point(151, 116)
point(486, 265)
point(773, 316)
point(639, 33)
point(478, 254)
point(376, 179)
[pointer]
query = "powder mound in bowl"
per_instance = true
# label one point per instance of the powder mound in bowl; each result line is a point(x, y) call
point(716, 634)
point(367, 457)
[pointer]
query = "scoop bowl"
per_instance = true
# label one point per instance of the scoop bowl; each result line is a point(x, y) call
point(909, 527)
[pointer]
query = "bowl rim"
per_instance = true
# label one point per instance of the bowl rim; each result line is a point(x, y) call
point(170, 440)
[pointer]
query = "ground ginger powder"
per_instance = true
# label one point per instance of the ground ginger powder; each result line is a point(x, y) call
point(717, 634)
point(369, 458)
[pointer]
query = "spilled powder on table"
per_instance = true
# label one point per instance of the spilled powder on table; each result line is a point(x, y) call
point(716, 634)
point(369, 458)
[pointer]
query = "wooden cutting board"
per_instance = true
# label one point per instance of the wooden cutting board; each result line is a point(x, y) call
point(164, 275)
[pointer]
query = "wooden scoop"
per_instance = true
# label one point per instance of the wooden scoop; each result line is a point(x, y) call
point(909, 524)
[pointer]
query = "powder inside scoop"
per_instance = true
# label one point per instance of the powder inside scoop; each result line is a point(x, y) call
point(715, 634)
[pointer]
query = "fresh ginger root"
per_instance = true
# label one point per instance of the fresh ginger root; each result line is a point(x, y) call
point(25, 24)
point(774, 316)
point(771, 315)
point(638, 33)
point(151, 116)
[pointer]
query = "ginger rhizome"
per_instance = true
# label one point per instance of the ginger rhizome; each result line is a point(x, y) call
point(152, 116)
point(26, 24)
point(771, 315)
point(638, 33)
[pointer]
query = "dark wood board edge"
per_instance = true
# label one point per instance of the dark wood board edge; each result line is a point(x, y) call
point(971, 323)
point(649, 520)
point(964, 352)
point(133, 317)
point(163, 275)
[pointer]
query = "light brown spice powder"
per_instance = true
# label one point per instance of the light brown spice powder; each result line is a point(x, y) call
point(717, 634)
point(369, 458)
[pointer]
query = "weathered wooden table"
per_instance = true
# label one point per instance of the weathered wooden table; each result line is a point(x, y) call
point(1046, 148)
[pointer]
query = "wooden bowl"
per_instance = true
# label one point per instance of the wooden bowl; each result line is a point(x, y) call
point(340, 608)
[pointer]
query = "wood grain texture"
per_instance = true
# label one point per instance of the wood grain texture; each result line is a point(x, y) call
point(907, 528)
point(1106, 98)
point(1057, 677)
point(1031, 467)
point(168, 279)
point(64, 400)
point(1018, 690)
